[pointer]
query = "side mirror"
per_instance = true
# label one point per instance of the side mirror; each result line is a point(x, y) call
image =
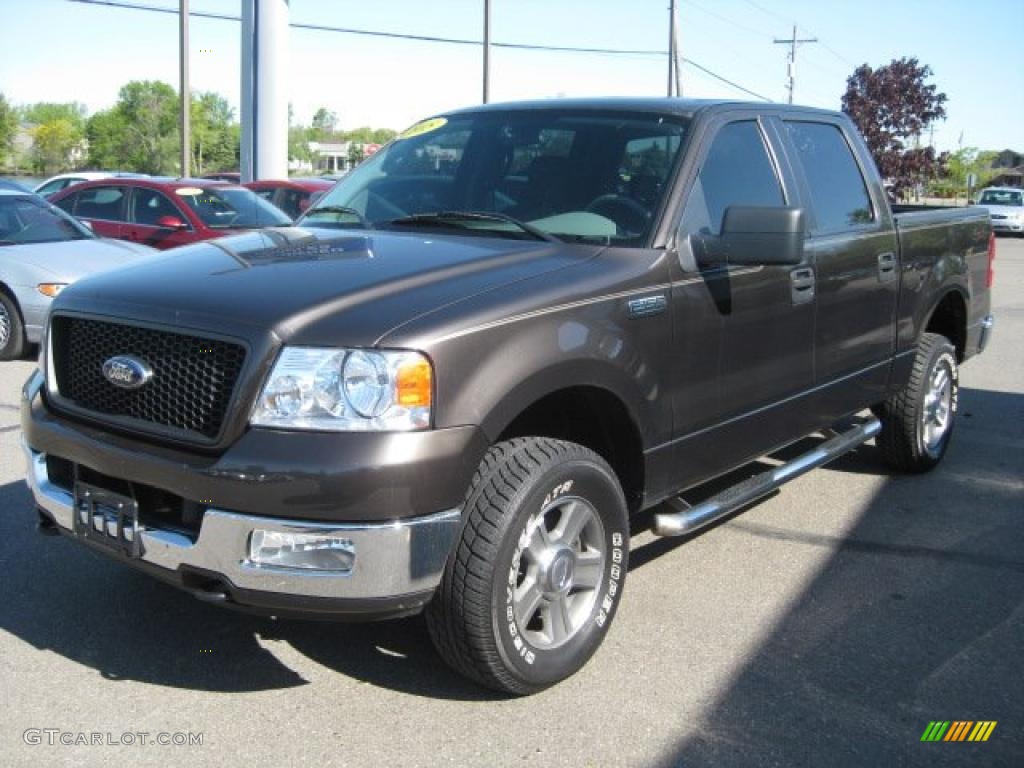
point(760, 235)
point(171, 222)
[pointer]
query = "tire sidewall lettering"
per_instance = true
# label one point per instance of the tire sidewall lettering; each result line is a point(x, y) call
point(588, 484)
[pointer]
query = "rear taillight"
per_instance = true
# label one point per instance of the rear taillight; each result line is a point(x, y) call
point(990, 275)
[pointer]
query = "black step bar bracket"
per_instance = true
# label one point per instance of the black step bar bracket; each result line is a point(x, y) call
point(687, 519)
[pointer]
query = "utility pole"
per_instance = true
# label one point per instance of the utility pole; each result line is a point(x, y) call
point(793, 42)
point(487, 50)
point(186, 96)
point(675, 55)
point(673, 74)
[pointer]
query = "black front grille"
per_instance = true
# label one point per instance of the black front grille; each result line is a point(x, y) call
point(193, 378)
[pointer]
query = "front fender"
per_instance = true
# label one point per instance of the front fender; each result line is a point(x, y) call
point(497, 373)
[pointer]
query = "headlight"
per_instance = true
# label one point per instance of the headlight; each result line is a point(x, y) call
point(346, 390)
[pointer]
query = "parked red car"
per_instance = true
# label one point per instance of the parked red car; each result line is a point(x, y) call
point(293, 196)
point(165, 213)
point(233, 177)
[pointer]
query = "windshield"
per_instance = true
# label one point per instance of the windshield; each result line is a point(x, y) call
point(30, 219)
point(231, 207)
point(577, 175)
point(1002, 197)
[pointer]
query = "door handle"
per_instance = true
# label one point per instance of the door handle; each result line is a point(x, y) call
point(802, 285)
point(886, 266)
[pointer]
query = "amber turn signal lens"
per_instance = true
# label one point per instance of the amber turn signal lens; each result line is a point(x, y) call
point(51, 289)
point(414, 384)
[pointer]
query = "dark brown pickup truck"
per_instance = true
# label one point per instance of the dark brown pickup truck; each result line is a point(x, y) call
point(452, 384)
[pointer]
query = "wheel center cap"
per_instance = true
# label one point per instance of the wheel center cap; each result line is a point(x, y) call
point(560, 571)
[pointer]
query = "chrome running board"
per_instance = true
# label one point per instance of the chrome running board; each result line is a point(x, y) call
point(686, 519)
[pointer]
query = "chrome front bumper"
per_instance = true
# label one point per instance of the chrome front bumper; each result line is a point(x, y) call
point(391, 559)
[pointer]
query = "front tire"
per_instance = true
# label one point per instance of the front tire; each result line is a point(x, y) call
point(12, 332)
point(532, 585)
point(917, 423)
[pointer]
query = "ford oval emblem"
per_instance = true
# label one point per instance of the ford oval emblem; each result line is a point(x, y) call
point(127, 372)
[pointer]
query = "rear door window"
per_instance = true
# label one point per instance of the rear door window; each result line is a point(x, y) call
point(838, 192)
point(106, 203)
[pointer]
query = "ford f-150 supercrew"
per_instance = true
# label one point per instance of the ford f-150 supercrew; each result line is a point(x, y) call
point(450, 386)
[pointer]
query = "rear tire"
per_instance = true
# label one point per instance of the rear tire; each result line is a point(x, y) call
point(12, 331)
point(532, 584)
point(917, 423)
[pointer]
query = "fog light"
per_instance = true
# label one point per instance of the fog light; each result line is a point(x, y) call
point(307, 551)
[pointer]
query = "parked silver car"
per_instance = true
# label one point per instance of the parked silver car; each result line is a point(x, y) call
point(1006, 207)
point(43, 249)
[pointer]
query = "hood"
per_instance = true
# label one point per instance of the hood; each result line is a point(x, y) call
point(315, 287)
point(1013, 211)
point(68, 260)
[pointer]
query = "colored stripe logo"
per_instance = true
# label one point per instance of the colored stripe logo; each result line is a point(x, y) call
point(958, 730)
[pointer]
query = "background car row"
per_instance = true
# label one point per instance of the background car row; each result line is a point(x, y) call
point(42, 249)
point(165, 213)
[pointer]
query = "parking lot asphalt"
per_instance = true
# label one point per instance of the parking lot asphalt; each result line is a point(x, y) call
point(826, 625)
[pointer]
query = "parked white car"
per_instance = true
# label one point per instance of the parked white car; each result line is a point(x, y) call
point(55, 184)
point(42, 250)
point(1006, 207)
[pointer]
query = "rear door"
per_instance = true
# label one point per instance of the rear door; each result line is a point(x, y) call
point(104, 207)
point(146, 208)
point(853, 248)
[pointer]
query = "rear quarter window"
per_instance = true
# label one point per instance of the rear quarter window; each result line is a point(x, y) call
point(105, 203)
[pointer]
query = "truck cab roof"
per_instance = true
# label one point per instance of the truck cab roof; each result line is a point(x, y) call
point(670, 106)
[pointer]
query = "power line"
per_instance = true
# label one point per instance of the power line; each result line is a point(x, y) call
point(838, 55)
point(768, 11)
point(727, 20)
point(715, 75)
point(780, 17)
point(124, 4)
point(135, 6)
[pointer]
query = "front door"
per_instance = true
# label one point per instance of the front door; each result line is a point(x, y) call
point(102, 206)
point(151, 212)
point(744, 334)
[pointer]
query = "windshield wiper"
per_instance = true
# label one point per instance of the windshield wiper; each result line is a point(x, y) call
point(338, 209)
point(452, 218)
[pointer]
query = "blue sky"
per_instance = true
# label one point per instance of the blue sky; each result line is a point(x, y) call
point(55, 50)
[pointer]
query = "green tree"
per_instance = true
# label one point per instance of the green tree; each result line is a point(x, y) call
point(8, 128)
point(214, 142)
point(963, 163)
point(355, 154)
point(367, 135)
point(149, 109)
point(298, 139)
point(47, 112)
point(52, 144)
point(57, 129)
point(107, 135)
point(324, 124)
